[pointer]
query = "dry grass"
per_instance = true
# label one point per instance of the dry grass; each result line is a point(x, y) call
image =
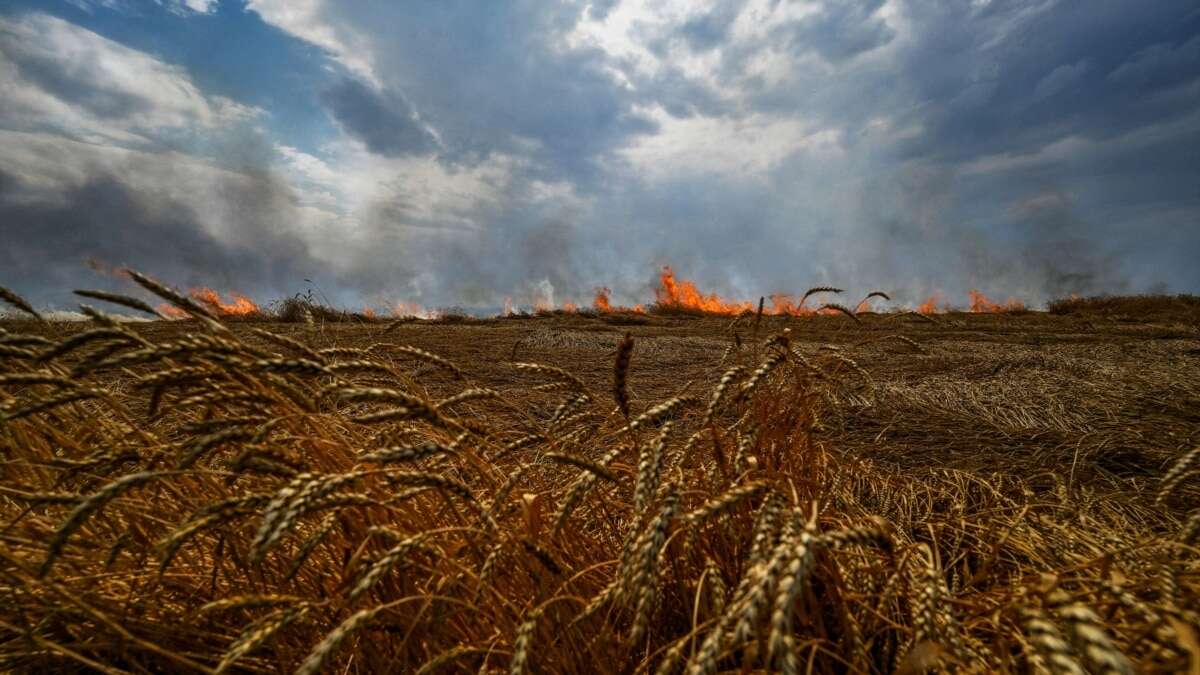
point(976, 494)
point(1135, 307)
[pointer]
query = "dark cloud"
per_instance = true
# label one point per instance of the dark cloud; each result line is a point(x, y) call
point(987, 81)
point(985, 107)
point(840, 30)
point(385, 122)
point(496, 78)
point(50, 241)
point(709, 30)
point(1031, 148)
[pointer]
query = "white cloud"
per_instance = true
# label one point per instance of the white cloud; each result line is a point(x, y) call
point(749, 146)
point(51, 166)
point(202, 6)
point(306, 20)
point(58, 76)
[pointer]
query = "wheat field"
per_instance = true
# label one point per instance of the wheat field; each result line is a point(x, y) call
point(600, 493)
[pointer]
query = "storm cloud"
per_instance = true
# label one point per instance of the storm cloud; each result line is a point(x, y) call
point(123, 213)
point(466, 153)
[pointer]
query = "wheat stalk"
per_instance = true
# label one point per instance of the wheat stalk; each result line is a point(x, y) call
point(86, 508)
point(1052, 653)
point(1175, 475)
point(1087, 633)
point(520, 657)
point(17, 301)
point(817, 289)
point(316, 658)
point(621, 374)
point(118, 299)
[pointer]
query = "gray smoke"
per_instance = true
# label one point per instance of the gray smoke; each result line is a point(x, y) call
point(49, 242)
point(1029, 150)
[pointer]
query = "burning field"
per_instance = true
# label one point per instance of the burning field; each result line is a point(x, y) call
point(697, 485)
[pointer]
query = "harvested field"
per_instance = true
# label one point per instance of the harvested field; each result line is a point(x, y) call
point(967, 492)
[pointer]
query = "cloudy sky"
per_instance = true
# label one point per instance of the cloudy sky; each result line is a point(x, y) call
point(453, 153)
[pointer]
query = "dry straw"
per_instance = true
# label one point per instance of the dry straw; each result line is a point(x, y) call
point(253, 498)
point(621, 374)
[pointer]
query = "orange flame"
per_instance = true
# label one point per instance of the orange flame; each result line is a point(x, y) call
point(405, 310)
point(783, 304)
point(171, 311)
point(674, 293)
point(981, 305)
point(240, 305)
point(601, 303)
point(930, 304)
point(683, 294)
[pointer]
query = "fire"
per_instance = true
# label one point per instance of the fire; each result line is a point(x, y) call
point(930, 306)
point(683, 294)
point(981, 304)
point(601, 303)
point(404, 310)
point(171, 311)
point(238, 304)
point(783, 304)
point(674, 293)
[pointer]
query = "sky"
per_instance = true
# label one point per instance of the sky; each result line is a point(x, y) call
point(455, 153)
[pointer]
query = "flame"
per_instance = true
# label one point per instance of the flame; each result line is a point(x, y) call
point(171, 311)
point(786, 305)
point(404, 310)
point(673, 293)
point(601, 303)
point(240, 305)
point(980, 304)
point(930, 304)
point(683, 294)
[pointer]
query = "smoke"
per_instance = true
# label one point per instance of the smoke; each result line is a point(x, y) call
point(50, 238)
point(930, 230)
point(1061, 251)
point(529, 152)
